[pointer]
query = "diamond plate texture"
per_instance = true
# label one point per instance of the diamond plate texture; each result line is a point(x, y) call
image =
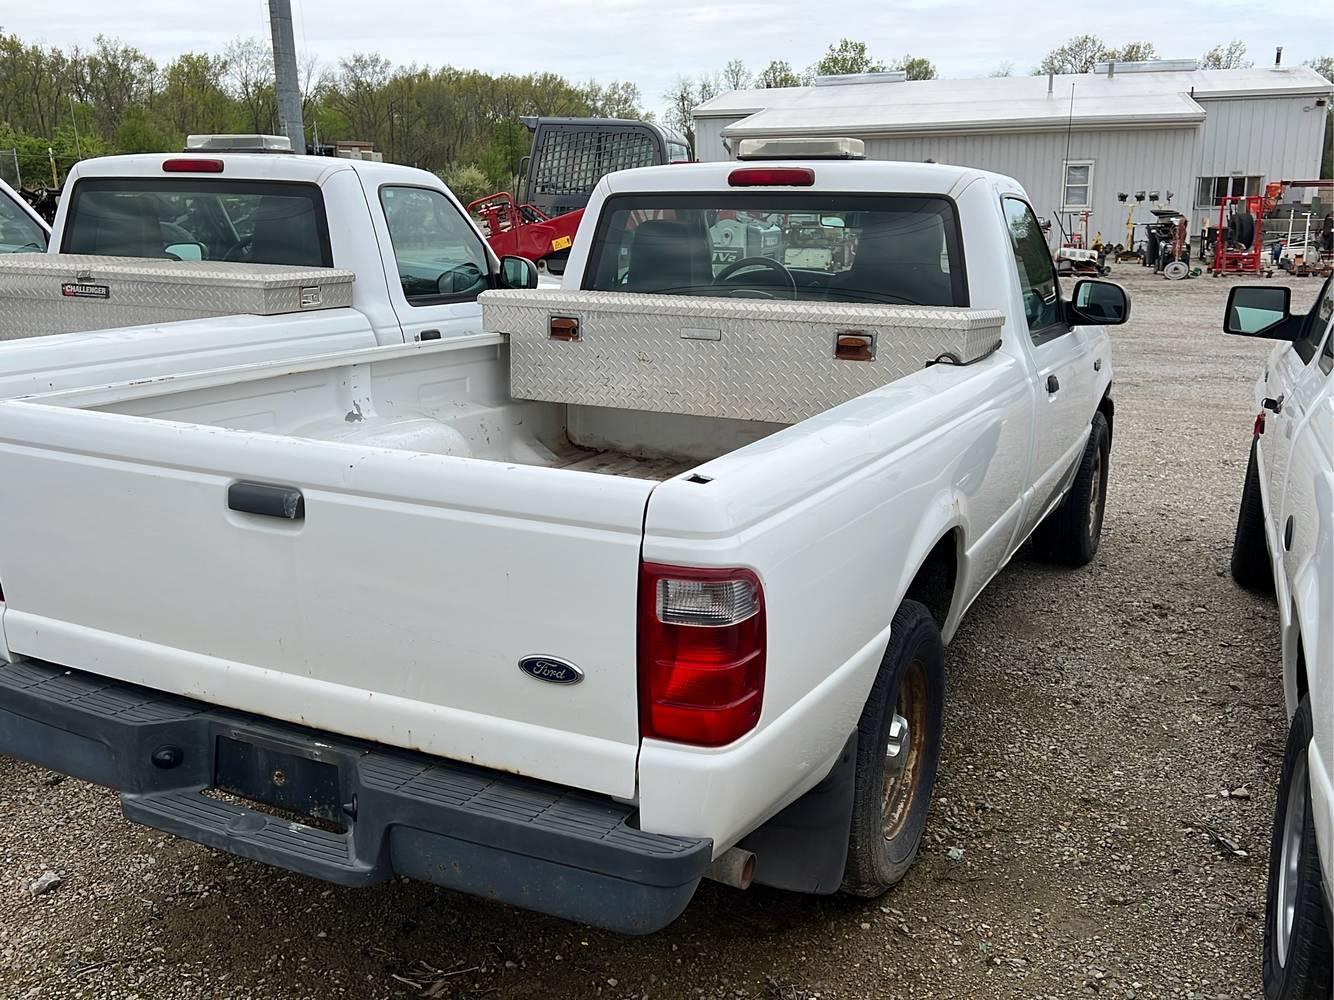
point(763, 360)
point(152, 291)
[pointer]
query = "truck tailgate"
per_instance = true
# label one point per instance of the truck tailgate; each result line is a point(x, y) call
point(396, 610)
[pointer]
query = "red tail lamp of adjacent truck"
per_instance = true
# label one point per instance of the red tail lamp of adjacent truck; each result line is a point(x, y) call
point(701, 653)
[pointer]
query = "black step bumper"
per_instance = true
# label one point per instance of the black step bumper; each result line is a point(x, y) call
point(374, 812)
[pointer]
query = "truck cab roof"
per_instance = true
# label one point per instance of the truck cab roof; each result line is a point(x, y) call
point(830, 175)
point(257, 166)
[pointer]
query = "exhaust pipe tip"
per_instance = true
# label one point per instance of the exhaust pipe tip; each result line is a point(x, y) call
point(734, 867)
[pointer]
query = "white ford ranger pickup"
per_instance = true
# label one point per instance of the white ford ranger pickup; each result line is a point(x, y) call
point(650, 581)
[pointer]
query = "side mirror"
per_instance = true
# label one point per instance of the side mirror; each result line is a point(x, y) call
point(1098, 303)
point(1261, 311)
point(185, 251)
point(517, 272)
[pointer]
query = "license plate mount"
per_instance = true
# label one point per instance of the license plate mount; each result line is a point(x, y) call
point(283, 777)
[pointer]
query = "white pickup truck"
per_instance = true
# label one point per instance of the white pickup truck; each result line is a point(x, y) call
point(221, 212)
point(648, 582)
point(21, 229)
point(1285, 544)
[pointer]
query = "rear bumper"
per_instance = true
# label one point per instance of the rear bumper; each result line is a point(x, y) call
point(382, 812)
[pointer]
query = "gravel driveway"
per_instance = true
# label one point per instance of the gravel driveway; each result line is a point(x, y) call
point(1113, 737)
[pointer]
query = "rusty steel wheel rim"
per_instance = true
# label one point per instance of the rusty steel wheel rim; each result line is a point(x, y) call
point(1095, 495)
point(905, 748)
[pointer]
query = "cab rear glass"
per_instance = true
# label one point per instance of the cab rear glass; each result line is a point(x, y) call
point(255, 222)
point(836, 247)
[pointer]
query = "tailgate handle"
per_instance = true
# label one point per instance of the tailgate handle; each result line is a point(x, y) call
point(285, 502)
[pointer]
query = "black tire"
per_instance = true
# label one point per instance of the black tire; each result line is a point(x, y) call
point(1300, 967)
point(1243, 229)
point(1250, 551)
point(1070, 534)
point(883, 840)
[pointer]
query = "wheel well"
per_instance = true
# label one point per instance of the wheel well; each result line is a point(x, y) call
point(933, 586)
point(1107, 407)
point(1303, 685)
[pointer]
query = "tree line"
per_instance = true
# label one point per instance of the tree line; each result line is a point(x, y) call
point(113, 98)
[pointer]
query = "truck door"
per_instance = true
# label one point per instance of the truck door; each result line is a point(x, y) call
point(436, 263)
point(1064, 370)
point(1295, 379)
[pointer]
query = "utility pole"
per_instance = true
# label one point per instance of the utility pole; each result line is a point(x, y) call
point(284, 73)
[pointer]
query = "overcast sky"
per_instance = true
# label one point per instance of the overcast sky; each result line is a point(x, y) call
point(651, 42)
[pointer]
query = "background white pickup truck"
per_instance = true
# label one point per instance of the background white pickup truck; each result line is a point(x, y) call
point(419, 261)
point(1285, 544)
point(532, 615)
point(21, 229)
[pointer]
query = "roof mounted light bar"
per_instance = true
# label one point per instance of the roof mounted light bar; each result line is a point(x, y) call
point(854, 79)
point(251, 143)
point(801, 149)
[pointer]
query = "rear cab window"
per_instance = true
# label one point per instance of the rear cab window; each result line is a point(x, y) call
point(438, 253)
point(18, 232)
point(834, 247)
point(254, 222)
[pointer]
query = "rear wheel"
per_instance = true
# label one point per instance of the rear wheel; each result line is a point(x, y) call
point(1251, 566)
point(1298, 959)
point(898, 749)
point(1070, 534)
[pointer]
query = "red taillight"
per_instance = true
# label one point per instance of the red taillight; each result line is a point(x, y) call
point(701, 653)
point(771, 177)
point(1259, 423)
point(192, 165)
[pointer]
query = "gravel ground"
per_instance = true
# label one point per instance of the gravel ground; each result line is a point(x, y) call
point(1093, 720)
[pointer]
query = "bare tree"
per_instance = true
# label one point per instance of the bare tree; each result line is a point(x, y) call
point(1006, 68)
point(1132, 52)
point(1229, 56)
point(250, 74)
point(1079, 55)
point(778, 74)
point(736, 76)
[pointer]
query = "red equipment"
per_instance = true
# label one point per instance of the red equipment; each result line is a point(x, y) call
point(523, 230)
point(1239, 242)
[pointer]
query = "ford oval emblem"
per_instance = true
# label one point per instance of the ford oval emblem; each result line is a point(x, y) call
point(551, 669)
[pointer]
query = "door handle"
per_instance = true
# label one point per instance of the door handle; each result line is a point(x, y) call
point(1053, 384)
point(1274, 404)
point(267, 500)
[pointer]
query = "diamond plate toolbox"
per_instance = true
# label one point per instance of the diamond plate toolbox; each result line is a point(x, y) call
point(743, 358)
point(42, 294)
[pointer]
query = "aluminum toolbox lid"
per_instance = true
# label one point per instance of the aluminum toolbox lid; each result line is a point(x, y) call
point(85, 267)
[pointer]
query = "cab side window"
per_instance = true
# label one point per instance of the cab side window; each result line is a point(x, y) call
point(1317, 323)
point(440, 259)
point(1037, 273)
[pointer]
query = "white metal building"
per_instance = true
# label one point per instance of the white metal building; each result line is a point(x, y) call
point(1073, 141)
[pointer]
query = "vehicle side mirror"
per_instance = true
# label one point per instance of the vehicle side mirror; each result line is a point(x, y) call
point(1261, 311)
point(1098, 303)
point(185, 251)
point(517, 272)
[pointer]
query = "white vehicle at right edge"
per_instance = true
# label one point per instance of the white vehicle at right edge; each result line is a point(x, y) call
point(1285, 542)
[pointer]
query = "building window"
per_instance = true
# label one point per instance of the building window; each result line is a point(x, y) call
point(1210, 191)
point(1077, 192)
